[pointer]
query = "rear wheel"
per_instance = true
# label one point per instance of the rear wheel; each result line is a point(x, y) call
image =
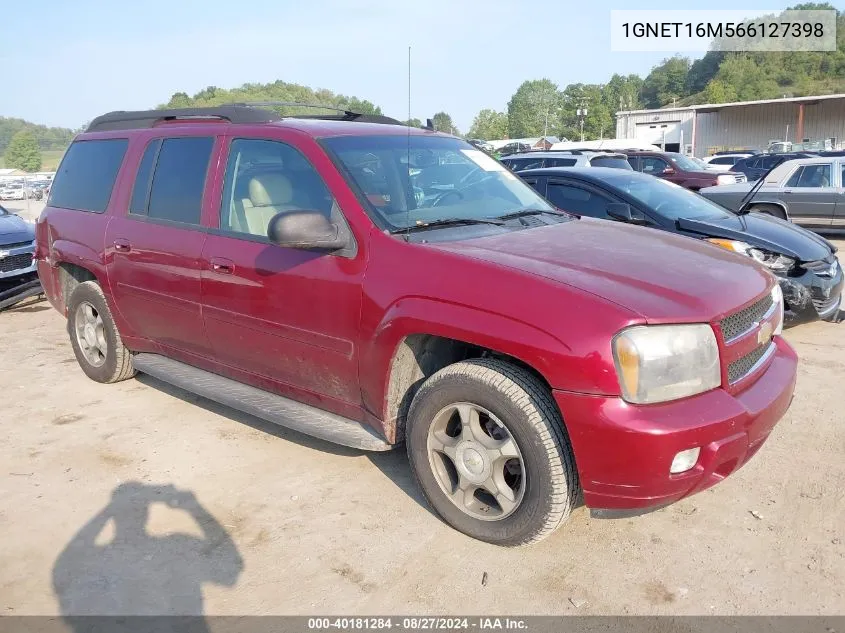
point(94, 337)
point(489, 450)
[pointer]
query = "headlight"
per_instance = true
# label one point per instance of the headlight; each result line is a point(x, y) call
point(725, 179)
point(777, 298)
point(656, 363)
point(775, 262)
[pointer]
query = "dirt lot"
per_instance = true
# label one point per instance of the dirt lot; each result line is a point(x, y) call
point(293, 525)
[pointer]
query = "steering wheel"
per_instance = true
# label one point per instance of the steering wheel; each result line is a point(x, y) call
point(454, 192)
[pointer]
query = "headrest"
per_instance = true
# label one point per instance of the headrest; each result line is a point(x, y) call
point(270, 189)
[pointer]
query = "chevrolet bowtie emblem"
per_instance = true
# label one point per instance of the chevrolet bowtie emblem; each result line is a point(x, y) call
point(764, 334)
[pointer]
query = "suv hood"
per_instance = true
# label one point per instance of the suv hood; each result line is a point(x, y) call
point(766, 232)
point(15, 229)
point(660, 276)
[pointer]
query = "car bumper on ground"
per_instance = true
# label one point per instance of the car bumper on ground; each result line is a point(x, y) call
point(810, 297)
point(624, 451)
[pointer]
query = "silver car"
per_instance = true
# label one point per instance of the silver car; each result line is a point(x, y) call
point(807, 191)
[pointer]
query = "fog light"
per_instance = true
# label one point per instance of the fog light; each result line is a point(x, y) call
point(684, 460)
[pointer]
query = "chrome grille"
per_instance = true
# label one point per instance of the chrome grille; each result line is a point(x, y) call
point(825, 306)
point(15, 262)
point(8, 247)
point(742, 321)
point(742, 366)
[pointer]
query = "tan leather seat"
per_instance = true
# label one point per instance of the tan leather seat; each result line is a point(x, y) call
point(269, 194)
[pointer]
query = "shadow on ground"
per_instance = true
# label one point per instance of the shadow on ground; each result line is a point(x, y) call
point(393, 464)
point(114, 566)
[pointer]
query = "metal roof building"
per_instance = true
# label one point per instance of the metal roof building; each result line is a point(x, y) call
point(702, 130)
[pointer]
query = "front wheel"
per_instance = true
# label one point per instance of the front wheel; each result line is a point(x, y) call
point(489, 450)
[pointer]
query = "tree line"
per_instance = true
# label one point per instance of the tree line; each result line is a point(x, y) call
point(540, 107)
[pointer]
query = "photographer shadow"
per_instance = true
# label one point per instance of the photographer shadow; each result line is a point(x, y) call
point(138, 573)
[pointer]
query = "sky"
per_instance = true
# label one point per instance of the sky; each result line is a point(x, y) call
point(67, 62)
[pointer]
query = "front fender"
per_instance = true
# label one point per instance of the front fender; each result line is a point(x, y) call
point(422, 315)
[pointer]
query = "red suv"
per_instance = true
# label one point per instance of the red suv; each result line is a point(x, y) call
point(372, 284)
point(680, 169)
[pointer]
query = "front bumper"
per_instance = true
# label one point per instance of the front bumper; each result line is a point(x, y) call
point(624, 451)
point(16, 262)
point(810, 297)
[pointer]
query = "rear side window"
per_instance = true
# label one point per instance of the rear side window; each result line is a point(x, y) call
point(578, 200)
point(723, 160)
point(179, 179)
point(610, 161)
point(560, 162)
point(87, 175)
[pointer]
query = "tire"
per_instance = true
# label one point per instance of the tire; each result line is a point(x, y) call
point(769, 209)
point(547, 487)
point(116, 363)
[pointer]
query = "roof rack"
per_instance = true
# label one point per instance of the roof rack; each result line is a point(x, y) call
point(257, 112)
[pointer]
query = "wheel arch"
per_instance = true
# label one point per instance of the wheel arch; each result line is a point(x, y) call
point(773, 203)
point(408, 349)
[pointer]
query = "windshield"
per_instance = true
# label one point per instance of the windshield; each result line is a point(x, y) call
point(684, 162)
point(666, 199)
point(412, 180)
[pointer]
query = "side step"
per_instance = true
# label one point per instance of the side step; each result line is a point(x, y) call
point(262, 404)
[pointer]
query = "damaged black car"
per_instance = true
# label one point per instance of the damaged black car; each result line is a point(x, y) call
point(805, 263)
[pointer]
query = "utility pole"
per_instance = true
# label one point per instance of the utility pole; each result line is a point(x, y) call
point(582, 113)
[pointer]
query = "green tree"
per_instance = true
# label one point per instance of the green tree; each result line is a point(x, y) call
point(412, 122)
point(443, 123)
point(23, 152)
point(533, 109)
point(665, 82)
point(489, 125)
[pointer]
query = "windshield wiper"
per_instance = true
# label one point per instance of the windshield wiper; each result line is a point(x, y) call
point(448, 222)
point(523, 212)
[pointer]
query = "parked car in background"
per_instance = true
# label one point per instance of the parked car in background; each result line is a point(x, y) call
point(484, 146)
point(528, 359)
point(806, 191)
point(679, 169)
point(565, 158)
point(723, 161)
point(13, 191)
point(17, 244)
point(805, 264)
point(514, 148)
point(755, 166)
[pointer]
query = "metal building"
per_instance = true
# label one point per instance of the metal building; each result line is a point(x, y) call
point(702, 130)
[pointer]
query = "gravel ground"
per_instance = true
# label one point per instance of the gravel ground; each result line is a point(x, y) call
point(228, 515)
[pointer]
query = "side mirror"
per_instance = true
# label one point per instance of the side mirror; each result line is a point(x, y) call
point(624, 213)
point(667, 172)
point(307, 230)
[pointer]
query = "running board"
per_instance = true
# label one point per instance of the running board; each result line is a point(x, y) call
point(262, 404)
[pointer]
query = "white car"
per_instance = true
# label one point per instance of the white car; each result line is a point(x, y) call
point(721, 162)
point(13, 192)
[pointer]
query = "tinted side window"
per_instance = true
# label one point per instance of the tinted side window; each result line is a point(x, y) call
point(179, 180)
point(526, 163)
point(560, 162)
point(610, 161)
point(579, 200)
point(651, 165)
point(265, 178)
point(634, 163)
point(141, 188)
point(793, 179)
point(767, 162)
point(723, 160)
point(87, 174)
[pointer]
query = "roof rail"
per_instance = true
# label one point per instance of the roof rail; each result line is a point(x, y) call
point(257, 112)
point(127, 120)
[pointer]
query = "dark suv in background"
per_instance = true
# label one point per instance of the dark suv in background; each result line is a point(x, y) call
point(754, 167)
point(680, 170)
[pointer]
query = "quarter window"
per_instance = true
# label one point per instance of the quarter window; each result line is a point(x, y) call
point(265, 178)
point(179, 180)
point(87, 175)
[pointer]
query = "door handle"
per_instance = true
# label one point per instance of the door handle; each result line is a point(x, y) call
point(122, 246)
point(222, 266)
